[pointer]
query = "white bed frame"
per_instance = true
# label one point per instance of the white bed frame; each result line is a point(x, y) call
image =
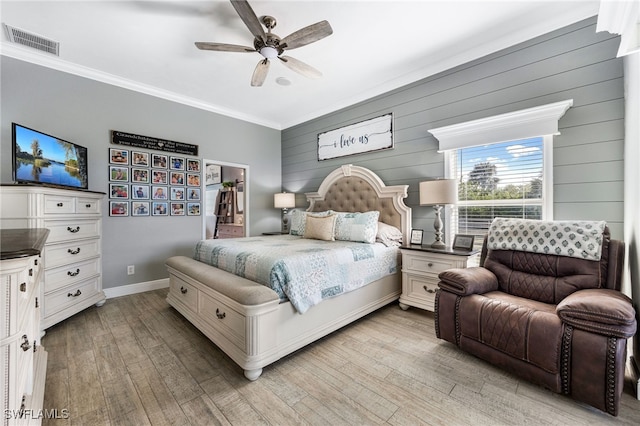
point(256, 335)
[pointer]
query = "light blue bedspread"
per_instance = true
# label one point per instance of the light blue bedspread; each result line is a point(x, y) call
point(304, 271)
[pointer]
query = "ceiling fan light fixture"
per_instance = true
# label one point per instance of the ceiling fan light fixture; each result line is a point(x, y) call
point(269, 52)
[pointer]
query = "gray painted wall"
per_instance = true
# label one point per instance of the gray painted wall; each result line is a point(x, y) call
point(571, 63)
point(84, 111)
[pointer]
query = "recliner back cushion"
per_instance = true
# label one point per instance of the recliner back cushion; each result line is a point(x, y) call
point(543, 277)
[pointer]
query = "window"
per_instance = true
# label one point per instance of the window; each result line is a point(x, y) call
point(506, 179)
point(504, 167)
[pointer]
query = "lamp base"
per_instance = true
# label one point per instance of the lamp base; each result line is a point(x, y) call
point(438, 245)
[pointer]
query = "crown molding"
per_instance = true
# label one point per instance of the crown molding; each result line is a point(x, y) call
point(53, 62)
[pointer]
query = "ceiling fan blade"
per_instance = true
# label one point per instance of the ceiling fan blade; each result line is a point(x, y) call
point(307, 35)
point(249, 18)
point(223, 47)
point(300, 67)
point(260, 73)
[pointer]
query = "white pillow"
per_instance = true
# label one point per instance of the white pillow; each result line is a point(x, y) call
point(320, 227)
point(388, 235)
point(299, 218)
point(357, 227)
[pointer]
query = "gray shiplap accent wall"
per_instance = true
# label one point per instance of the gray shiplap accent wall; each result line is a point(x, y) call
point(571, 63)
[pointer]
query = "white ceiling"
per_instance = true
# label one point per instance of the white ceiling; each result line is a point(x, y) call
point(376, 46)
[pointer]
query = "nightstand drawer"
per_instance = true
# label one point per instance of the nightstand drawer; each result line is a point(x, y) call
point(230, 231)
point(421, 263)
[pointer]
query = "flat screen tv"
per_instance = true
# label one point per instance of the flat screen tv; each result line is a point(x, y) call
point(44, 159)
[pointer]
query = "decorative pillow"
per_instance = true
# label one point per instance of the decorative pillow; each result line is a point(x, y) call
point(298, 220)
point(388, 235)
point(357, 227)
point(320, 227)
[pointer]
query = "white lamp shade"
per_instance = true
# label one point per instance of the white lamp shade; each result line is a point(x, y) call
point(284, 200)
point(438, 192)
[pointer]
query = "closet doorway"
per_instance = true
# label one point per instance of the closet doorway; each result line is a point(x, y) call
point(226, 195)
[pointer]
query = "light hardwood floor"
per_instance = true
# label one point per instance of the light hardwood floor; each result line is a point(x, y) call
point(136, 361)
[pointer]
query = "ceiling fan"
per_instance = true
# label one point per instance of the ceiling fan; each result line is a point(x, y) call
point(269, 45)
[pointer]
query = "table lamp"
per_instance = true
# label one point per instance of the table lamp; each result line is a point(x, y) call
point(437, 193)
point(284, 201)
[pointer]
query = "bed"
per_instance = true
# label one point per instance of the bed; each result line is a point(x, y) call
point(249, 321)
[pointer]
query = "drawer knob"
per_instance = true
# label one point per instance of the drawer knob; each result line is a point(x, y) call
point(23, 287)
point(37, 304)
point(30, 272)
point(88, 206)
point(35, 262)
point(183, 290)
point(60, 204)
point(70, 251)
point(72, 230)
point(76, 294)
point(219, 314)
point(428, 290)
point(429, 264)
point(25, 343)
point(73, 274)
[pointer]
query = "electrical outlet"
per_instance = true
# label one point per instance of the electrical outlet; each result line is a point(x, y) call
point(131, 269)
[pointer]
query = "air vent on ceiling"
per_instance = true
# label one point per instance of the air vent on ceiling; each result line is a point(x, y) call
point(16, 35)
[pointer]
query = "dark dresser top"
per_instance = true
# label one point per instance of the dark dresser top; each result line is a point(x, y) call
point(23, 242)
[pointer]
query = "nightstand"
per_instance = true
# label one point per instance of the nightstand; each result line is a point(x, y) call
point(420, 268)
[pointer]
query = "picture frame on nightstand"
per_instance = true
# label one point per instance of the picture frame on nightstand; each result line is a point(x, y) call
point(416, 236)
point(463, 242)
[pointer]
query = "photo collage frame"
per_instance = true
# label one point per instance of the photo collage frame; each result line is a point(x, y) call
point(145, 183)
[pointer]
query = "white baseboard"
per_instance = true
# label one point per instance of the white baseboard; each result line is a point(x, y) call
point(125, 290)
point(635, 375)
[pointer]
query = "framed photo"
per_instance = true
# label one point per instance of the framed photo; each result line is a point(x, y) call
point(159, 177)
point(193, 165)
point(118, 208)
point(177, 209)
point(176, 163)
point(193, 194)
point(177, 193)
point(159, 161)
point(160, 209)
point(416, 236)
point(193, 179)
point(139, 175)
point(118, 190)
point(140, 192)
point(177, 178)
point(463, 242)
point(118, 156)
point(193, 209)
point(139, 208)
point(119, 174)
point(159, 193)
point(140, 159)
point(213, 175)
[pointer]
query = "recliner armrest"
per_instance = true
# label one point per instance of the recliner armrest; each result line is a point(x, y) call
point(465, 281)
point(602, 311)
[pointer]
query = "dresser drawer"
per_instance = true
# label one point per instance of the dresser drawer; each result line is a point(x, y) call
point(230, 322)
point(421, 263)
point(87, 206)
point(186, 293)
point(59, 204)
point(66, 230)
point(71, 295)
point(66, 253)
point(230, 231)
point(56, 278)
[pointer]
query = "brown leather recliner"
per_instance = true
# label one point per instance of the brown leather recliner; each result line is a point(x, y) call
point(560, 322)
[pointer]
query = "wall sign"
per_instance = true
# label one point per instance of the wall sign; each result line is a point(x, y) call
point(370, 135)
point(148, 142)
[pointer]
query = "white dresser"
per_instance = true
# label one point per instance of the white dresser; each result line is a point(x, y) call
point(23, 360)
point(72, 254)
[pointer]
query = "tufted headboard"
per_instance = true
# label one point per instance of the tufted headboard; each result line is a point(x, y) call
point(357, 189)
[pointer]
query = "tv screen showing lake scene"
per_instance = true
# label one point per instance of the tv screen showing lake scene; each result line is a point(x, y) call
point(41, 158)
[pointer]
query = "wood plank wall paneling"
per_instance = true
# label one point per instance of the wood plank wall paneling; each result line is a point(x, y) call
point(574, 62)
